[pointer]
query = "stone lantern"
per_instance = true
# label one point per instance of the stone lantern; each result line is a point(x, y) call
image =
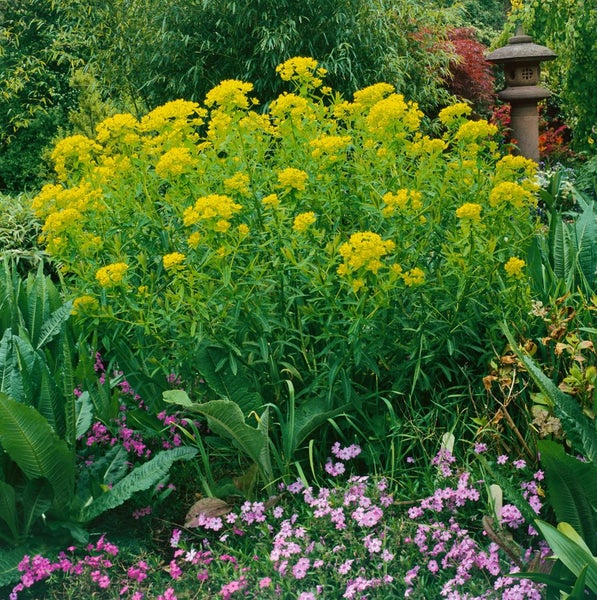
point(521, 59)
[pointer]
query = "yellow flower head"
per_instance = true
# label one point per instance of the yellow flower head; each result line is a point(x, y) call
point(271, 200)
point(475, 131)
point(413, 277)
point(514, 267)
point(173, 260)
point(243, 230)
point(302, 70)
point(400, 199)
point(72, 152)
point(293, 179)
point(364, 249)
point(230, 94)
point(364, 99)
point(117, 127)
point(454, 113)
point(393, 113)
point(330, 147)
point(194, 239)
point(303, 221)
point(513, 193)
point(210, 207)
point(174, 162)
point(470, 211)
point(239, 183)
point(84, 305)
point(111, 275)
point(177, 113)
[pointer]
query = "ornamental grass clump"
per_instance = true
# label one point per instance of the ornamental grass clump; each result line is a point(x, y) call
point(329, 243)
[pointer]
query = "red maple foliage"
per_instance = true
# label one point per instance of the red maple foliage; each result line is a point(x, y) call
point(471, 76)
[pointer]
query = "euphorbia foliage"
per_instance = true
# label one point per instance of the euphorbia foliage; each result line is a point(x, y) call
point(327, 242)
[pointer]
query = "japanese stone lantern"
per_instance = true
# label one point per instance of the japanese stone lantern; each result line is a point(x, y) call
point(521, 59)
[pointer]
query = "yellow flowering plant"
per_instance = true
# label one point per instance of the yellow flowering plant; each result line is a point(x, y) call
point(332, 245)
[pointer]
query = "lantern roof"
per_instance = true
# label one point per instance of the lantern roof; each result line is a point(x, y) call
point(520, 49)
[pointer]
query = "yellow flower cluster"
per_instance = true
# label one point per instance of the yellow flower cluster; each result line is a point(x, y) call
point(293, 106)
point(61, 221)
point(174, 162)
point(72, 152)
point(238, 183)
point(413, 277)
point(194, 239)
point(393, 113)
point(426, 145)
point(174, 113)
point(332, 147)
point(230, 94)
point(121, 127)
point(400, 199)
point(291, 178)
point(111, 275)
point(302, 70)
point(211, 207)
point(514, 267)
point(172, 260)
point(470, 211)
point(453, 113)
point(111, 168)
point(371, 95)
point(364, 249)
point(515, 194)
point(303, 221)
point(271, 200)
point(475, 131)
point(84, 305)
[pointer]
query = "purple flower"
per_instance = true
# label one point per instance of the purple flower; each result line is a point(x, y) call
point(502, 459)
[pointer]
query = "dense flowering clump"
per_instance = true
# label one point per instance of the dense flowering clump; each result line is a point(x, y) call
point(308, 202)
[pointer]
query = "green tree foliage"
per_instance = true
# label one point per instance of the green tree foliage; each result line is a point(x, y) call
point(35, 62)
point(159, 50)
point(568, 28)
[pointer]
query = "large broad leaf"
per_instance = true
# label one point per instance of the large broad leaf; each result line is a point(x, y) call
point(37, 499)
point(33, 445)
point(8, 512)
point(53, 326)
point(579, 430)
point(226, 419)
point(569, 548)
point(586, 245)
point(572, 488)
point(213, 363)
point(141, 478)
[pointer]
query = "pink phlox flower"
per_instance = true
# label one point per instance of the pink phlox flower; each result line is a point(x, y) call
point(174, 570)
point(510, 516)
point(367, 518)
point(347, 453)
point(265, 582)
point(334, 469)
point(168, 595)
point(299, 570)
point(345, 567)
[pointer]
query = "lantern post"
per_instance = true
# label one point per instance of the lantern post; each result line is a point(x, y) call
point(521, 60)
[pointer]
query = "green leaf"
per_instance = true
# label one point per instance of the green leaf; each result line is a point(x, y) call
point(8, 511)
point(141, 478)
point(580, 431)
point(33, 445)
point(37, 499)
point(53, 326)
point(224, 378)
point(574, 555)
point(572, 488)
point(226, 419)
point(84, 412)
